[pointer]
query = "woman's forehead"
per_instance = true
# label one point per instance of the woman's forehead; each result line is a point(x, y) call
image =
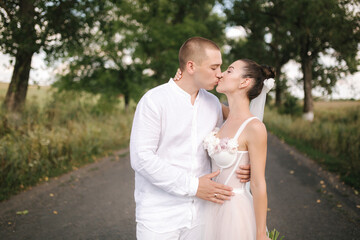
point(237, 65)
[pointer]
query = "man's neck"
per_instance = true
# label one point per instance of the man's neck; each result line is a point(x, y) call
point(187, 84)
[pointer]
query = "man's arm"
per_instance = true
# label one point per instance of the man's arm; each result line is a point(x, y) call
point(144, 142)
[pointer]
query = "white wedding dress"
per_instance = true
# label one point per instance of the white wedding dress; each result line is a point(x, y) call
point(235, 219)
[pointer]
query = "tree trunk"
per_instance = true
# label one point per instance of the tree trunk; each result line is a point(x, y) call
point(306, 65)
point(26, 41)
point(16, 93)
point(124, 76)
point(127, 100)
point(278, 87)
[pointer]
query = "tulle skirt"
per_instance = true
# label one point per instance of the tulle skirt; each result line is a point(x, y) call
point(233, 220)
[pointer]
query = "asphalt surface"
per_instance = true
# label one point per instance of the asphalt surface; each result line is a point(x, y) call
point(96, 202)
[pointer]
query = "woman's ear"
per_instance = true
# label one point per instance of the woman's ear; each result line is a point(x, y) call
point(245, 82)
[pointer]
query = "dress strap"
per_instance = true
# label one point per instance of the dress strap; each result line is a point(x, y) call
point(242, 127)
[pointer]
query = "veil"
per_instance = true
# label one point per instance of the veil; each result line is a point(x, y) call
point(257, 105)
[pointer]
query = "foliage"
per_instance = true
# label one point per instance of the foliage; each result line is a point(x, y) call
point(274, 234)
point(135, 47)
point(105, 62)
point(304, 31)
point(168, 25)
point(332, 139)
point(290, 105)
point(266, 41)
point(71, 129)
point(26, 27)
point(54, 26)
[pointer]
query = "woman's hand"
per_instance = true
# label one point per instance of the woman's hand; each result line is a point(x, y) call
point(178, 75)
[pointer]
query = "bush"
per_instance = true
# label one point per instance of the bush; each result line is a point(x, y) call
point(332, 139)
point(70, 129)
point(290, 106)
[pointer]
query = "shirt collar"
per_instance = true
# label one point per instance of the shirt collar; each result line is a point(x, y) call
point(182, 91)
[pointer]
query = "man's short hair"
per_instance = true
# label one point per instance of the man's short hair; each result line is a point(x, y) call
point(194, 49)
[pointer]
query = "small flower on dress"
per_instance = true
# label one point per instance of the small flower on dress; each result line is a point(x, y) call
point(214, 145)
point(223, 143)
point(211, 142)
point(232, 145)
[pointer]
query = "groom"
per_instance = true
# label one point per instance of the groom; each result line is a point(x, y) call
point(172, 169)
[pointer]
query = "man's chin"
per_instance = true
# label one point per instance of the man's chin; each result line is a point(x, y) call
point(209, 88)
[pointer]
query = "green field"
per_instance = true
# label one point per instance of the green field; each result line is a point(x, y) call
point(59, 132)
point(55, 134)
point(35, 93)
point(332, 139)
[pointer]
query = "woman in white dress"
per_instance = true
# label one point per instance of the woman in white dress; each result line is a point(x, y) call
point(241, 139)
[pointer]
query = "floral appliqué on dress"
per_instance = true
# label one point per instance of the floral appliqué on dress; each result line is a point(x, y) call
point(214, 144)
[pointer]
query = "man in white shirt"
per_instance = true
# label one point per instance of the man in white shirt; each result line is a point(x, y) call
point(172, 169)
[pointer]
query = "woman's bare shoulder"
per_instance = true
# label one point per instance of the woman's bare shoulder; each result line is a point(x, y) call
point(257, 129)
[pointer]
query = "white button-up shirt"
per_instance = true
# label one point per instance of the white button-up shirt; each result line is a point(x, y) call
point(167, 154)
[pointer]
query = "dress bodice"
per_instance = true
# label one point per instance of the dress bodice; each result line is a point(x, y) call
point(225, 156)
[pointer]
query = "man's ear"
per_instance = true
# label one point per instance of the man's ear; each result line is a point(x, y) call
point(190, 67)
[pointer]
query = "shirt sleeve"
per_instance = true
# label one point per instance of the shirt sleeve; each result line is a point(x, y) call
point(144, 142)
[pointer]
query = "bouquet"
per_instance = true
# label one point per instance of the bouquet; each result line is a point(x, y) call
point(274, 234)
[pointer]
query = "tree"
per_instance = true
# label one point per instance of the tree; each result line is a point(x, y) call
point(105, 62)
point(168, 24)
point(267, 41)
point(148, 34)
point(323, 27)
point(29, 26)
point(305, 30)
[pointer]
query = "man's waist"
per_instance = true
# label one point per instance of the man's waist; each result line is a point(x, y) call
point(170, 217)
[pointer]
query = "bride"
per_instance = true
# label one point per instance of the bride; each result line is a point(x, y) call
point(241, 140)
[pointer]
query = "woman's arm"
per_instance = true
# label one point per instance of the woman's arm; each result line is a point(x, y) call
point(257, 147)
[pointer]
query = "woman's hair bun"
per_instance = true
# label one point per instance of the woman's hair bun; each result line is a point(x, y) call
point(269, 72)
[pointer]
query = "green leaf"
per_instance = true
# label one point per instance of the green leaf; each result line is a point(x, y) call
point(22, 212)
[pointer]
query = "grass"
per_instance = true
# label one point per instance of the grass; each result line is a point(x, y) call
point(55, 134)
point(332, 139)
point(35, 93)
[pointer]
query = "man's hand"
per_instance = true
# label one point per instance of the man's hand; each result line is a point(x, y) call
point(213, 191)
point(243, 173)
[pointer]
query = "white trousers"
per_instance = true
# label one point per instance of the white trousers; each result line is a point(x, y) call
point(143, 233)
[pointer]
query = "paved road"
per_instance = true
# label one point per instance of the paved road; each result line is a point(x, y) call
point(96, 202)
